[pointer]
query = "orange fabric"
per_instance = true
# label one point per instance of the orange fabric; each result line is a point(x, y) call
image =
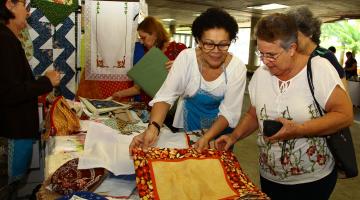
point(197, 178)
point(188, 174)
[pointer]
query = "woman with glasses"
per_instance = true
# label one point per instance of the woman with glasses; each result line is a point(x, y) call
point(19, 119)
point(295, 162)
point(210, 81)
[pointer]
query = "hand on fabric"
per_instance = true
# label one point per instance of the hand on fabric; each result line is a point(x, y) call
point(169, 64)
point(202, 144)
point(118, 95)
point(54, 77)
point(144, 140)
point(290, 130)
point(224, 142)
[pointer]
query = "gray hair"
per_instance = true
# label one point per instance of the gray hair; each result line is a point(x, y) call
point(306, 22)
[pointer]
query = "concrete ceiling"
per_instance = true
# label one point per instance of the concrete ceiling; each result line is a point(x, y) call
point(184, 11)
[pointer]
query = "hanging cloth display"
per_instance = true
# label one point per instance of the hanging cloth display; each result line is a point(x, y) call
point(56, 11)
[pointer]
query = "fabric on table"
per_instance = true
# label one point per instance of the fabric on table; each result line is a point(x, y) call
point(68, 178)
point(82, 195)
point(187, 174)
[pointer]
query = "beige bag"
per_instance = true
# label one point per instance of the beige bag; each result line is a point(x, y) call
point(61, 120)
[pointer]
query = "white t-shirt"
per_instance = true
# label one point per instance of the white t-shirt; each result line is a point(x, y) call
point(184, 80)
point(304, 159)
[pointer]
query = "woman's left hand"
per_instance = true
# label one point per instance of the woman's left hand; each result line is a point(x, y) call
point(169, 64)
point(202, 144)
point(290, 130)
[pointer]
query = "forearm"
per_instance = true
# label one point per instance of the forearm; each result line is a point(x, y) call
point(158, 112)
point(216, 128)
point(247, 125)
point(129, 92)
point(328, 124)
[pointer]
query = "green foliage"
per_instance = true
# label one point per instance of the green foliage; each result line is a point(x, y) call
point(344, 32)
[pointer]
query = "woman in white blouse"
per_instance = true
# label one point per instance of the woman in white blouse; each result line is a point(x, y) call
point(295, 163)
point(209, 80)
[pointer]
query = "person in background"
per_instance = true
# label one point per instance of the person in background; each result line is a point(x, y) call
point(309, 31)
point(332, 49)
point(152, 34)
point(19, 91)
point(295, 163)
point(350, 65)
point(210, 80)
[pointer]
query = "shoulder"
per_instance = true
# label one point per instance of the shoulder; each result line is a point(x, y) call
point(236, 65)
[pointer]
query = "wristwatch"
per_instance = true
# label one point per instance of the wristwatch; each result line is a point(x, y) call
point(156, 125)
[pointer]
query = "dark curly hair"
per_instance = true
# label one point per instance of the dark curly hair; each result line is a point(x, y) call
point(6, 14)
point(306, 22)
point(214, 18)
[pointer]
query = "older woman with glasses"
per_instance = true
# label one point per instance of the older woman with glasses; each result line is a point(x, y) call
point(19, 119)
point(295, 162)
point(210, 81)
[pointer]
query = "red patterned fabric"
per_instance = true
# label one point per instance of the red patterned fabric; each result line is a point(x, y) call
point(68, 179)
point(103, 89)
point(149, 188)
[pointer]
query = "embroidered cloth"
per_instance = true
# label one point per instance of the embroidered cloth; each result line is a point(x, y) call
point(187, 174)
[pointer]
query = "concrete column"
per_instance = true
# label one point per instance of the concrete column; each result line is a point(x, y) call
point(253, 62)
point(172, 28)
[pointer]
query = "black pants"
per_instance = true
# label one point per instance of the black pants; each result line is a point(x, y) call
point(319, 190)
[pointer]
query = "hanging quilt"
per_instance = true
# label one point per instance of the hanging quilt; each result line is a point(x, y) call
point(55, 48)
point(56, 11)
point(110, 33)
point(186, 174)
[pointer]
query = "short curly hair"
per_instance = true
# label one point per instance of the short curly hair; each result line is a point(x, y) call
point(214, 18)
point(277, 26)
point(306, 22)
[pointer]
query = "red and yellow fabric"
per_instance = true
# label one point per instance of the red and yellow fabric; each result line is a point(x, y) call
point(186, 174)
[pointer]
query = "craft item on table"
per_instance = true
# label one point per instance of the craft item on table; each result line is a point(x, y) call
point(150, 72)
point(100, 106)
point(117, 186)
point(68, 178)
point(83, 195)
point(61, 144)
point(183, 173)
point(61, 120)
point(104, 147)
point(124, 115)
point(123, 127)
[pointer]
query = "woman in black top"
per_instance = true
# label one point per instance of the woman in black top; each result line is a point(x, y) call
point(19, 119)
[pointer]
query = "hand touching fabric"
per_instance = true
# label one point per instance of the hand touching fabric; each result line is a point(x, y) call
point(144, 140)
point(54, 77)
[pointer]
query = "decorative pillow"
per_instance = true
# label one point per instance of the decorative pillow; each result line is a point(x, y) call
point(68, 179)
point(186, 174)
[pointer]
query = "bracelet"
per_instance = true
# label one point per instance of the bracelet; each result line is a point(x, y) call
point(156, 125)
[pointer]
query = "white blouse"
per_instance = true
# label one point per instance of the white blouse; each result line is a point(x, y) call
point(304, 159)
point(184, 80)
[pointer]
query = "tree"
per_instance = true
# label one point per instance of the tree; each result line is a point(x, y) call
point(347, 33)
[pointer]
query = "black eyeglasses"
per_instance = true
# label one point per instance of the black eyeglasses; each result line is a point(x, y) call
point(210, 46)
point(272, 57)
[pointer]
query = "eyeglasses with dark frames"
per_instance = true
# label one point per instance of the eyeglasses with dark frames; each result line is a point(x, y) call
point(210, 46)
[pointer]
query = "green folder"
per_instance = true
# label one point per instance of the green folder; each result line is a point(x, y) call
point(150, 72)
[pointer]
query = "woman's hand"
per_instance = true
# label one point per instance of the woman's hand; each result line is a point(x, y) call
point(145, 139)
point(290, 130)
point(118, 95)
point(54, 77)
point(169, 64)
point(202, 144)
point(224, 142)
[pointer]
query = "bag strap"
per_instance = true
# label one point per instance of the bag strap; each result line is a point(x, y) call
point(311, 85)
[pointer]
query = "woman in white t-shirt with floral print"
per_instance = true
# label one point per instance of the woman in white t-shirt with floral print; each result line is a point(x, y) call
point(295, 163)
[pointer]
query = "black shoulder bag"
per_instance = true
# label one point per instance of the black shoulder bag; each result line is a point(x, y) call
point(339, 143)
